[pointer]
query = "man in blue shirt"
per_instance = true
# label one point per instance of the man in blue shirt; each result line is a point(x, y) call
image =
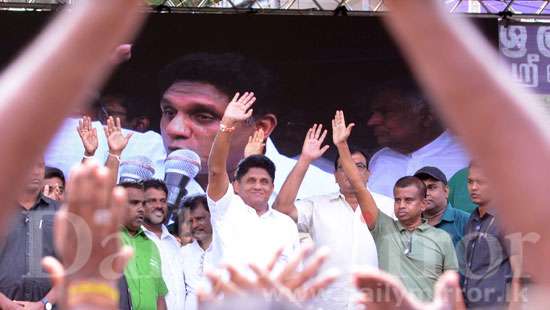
point(439, 213)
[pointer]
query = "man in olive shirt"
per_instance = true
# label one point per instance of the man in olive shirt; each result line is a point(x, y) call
point(143, 272)
point(410, 248)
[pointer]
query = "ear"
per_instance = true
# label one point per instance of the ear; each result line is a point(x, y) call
point(446, 190)
point(424, 204)
point(267, 123)
point(236, 186)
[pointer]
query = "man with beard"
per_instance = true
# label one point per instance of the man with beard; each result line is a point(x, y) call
point(197, 256)
point(143, 272)
point(169, 248)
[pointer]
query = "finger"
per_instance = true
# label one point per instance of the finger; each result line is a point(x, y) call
point(261, 134)
point(130, 134)
point(324, 149)
point(264, 280)
point(293, 263)
point(238, 279)
point(323, 136)
point(311, 131)
point(80, 124)
point(310, 270)
point(54, 269)
point(235, 97)
point(118, 203)
point(447, 291)
point(318, 131)
point(250, 102)
point(59, 228)
point(333, 124)
point(106, 130)
point(350, 127)
point(271, 264)
point(118, 126)
point(122, 257)
point(249, 113)
point(320, 284)
point(250, 140)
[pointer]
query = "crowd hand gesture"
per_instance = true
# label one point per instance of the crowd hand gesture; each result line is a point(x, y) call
point(115, 138)
point(52, 192)
point(340, 132)
point(255, 145)
point(288, 285)
point(312, 148)
point(238, 110)
point(383, 291)
point(86, 232)
point(88, 135)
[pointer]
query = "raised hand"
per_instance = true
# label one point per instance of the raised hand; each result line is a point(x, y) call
point(88, 135)
point(255, 145)
point(238, 110)
point(312, 148)
point(340, 132)
point(383, 291)
point(86, 232)
point(115, 138)
point(288, 285)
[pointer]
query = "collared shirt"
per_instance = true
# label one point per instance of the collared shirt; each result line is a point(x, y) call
point(66, 149)
point(387, 166)
point(195, 262)
point(241, 236)
point(331, 222)
point(454, 222)
point(486, 261)
point(417, 258)
point(144, 271)
point(172, 266)
point(29, 239)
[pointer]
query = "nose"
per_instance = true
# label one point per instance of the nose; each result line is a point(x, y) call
point(375, 120)
point(179, 127)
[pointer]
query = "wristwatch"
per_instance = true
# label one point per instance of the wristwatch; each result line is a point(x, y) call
point(47, 304)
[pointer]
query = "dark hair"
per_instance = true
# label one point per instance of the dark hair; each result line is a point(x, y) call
point(255, 161)
point(407, 90)
point(412, 181)
point(352, 150)
point(156, 184)
point(194, 202)
point(227, 72)
point(131, 184)
point(52, 172)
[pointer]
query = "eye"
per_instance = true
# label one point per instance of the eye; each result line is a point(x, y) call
point(204, 118)
point(168, 113)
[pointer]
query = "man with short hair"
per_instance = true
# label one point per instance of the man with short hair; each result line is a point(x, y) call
point(246, 228)
point(197, 255)
point(439, 212)
point(156, 211)
point(144, 270)
point(23, 283)
point(333, 220)
point(492, 266)
point(411, 137)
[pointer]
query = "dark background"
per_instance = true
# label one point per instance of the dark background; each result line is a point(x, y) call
point(321, 62)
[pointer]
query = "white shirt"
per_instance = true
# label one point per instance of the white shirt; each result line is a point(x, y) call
point(331, 222)
point(172, 267)
point(195, 262)
point(387, 166)
point(66, 149)
point(242, 237)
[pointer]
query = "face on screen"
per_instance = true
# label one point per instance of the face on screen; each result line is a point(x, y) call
point(191, 115)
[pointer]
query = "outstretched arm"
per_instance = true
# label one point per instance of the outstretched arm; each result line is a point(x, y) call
point(311, 150)
point(237, 111)
point(59, 71)
point(340, 135)
point(117, 142)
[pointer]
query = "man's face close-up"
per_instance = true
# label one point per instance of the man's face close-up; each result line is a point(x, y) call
point(201, 228)
point(135, 212)
point(392, 123)
point(156, 207)
point(341, 178)
point(191, 115)
point(408, 203)
point(255, 187)
point(478, 186)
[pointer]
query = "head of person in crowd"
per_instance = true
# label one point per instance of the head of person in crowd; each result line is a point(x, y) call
point(195, 92)
point(135, 210)
point(54, 183)
point(409, 200)
point(361, 162)
point(437, 190)
point(156, 208)
point(115, 106)
point(401, 117)
point(34, 180)
point(254, 181)
point(199, 219)
point(183, 231)
point(478, 185)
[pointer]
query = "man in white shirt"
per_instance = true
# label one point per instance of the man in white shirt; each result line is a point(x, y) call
point(411, 136)
point(333, 220)
point(198, 255)
point(246, 229)
point(169, 248)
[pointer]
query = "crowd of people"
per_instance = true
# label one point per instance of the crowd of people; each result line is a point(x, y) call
point(259, 229)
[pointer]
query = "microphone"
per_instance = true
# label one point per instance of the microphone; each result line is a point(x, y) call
point(180, 167)
point(136, 169)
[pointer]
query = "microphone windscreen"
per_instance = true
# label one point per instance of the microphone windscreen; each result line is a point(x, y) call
point(138, 168)
point(184, 162)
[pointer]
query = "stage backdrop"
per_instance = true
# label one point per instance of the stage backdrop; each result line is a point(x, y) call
point(321, 63)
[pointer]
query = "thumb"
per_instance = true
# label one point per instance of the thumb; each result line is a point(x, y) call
point(55, 270)
point(350, 126)
point(447, 291)
point(122, 258)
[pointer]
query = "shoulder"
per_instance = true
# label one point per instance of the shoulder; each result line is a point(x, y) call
point(282, 218)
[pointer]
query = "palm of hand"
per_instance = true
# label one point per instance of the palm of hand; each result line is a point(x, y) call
point(340, 134)
point(89, 139)
point(312, 149)
point(116, 141)
point(236, 111)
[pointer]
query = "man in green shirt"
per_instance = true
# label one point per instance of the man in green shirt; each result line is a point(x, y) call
point(143, 272)
point(408, 248)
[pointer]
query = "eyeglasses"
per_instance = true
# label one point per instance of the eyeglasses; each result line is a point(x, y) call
point(359, 166)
